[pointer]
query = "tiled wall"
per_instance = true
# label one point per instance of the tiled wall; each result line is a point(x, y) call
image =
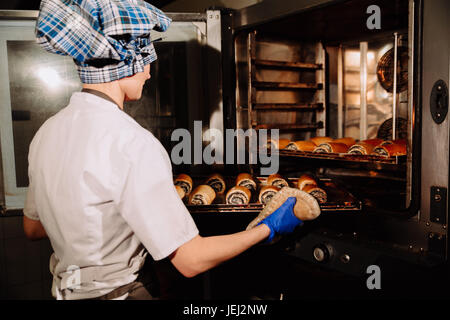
point(24, 272)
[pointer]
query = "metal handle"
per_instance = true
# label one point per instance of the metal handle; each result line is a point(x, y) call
point(394, 90)
point(363, 81)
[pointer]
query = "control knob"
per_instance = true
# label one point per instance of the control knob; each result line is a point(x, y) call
point(322, 252)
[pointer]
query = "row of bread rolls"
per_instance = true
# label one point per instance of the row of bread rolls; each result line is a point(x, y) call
point(384, 148)
point(275, 183)
point(203, 194)
point(377, 147)
point(241, 192)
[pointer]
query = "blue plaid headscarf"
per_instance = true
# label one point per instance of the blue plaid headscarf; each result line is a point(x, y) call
point(108, 39)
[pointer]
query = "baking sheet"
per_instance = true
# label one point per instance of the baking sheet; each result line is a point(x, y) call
point(339, 200)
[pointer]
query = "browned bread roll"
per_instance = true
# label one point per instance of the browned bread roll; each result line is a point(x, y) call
point(306, 207)
point(246, 180)
point(202, 195)
point(319, 140)
point(347, 141)
point(238, 195)
point(278, 144)
point(180, 192)
point(374, 142)
point(316, 192)
point(305, 180)
point(331, 147)
point(390, 150)
point(185, 182)
point(397, 141)
point(217, 182)
point(277, 181)
point(361, 148)
point(267, 193)
point(301, 146)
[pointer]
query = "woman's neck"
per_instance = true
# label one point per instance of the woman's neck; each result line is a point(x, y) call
point(111, 89)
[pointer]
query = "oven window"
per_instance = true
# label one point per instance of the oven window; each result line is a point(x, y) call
point(40, 85)
point(34, 85)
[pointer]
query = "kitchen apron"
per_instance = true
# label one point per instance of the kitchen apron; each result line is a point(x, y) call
point(145, 287)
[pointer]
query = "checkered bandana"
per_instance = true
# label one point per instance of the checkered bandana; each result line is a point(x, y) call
point(108, 39)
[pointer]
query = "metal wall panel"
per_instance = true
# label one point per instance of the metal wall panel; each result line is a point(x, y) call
point(272, 9)
point(435, 137)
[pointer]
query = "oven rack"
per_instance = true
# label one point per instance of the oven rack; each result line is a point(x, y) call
point(286, 64)
point(265, 85)
point(342, 156)
point(370, 162)
point(339, 200)
point(290, 126)
point(312, 102)
point(287, 107)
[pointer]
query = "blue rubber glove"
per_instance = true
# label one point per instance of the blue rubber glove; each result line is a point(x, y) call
point(282, 220)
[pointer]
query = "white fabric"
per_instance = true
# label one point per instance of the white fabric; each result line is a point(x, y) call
point(102, 186)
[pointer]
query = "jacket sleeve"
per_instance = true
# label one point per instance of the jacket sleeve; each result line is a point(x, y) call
point(29, 209)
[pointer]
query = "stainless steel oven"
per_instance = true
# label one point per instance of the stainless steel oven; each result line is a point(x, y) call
point(319, 68)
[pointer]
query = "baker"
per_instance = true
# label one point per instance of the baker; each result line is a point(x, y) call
point(101, 186)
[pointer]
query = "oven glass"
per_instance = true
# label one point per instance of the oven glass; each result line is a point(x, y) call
point(40, 85)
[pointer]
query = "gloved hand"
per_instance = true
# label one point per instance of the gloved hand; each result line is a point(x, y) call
point(282, 220)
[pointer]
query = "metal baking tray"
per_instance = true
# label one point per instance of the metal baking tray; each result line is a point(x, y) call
point(343, 156)
point(339, 200)
point(370, 162)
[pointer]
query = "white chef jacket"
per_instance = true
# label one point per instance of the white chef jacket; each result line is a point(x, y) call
point(102, 187)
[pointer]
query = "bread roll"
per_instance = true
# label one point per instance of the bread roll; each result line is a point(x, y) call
point(301, 146)
point(331, 147)
point(217, 182)
point(267, 193)
point(390, 150)
point(397, 141)
point(238, 195)
point(362, 148)
point(316, 192)
point(180, 192)
point(319, 140)
point(277, 181)
point(347, 141)
point(306, 207)
point(185, 182)
point(305, 180)
point(246, 180)
point(278, 144)
point(202, 195)
point(374, 142)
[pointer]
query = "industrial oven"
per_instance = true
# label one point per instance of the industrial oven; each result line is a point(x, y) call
point(346, 68)
point(323, 70)
point(320, 69)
